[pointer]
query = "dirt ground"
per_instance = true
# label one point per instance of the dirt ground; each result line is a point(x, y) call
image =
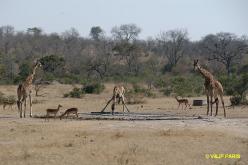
point(35, 141)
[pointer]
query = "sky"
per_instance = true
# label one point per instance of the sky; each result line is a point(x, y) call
point(199, 17)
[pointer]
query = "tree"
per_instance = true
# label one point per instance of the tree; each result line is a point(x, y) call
point(24, 70)
point(7, 33)
point(39, 85)
point(70, 34)
point(225, 48)
point(172, 44)
point(52, 63)
point(126, 47)
point(242, 86)
point(126, 32)
point(99, 58)
point(34, 31)
point(96, 33)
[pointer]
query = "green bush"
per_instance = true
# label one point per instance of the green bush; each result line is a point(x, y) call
point(167, 91)
point(25, 70)
point(235, 100)
point(75, 93)
point(2, 98)
point(228, 84)
point(187, 86)
point(140, 90)
point(132, 98)
point(137, 94)
point(9, 99)
point(237, 87)
point(95, 88)
point(52, 63)
point(160, 83)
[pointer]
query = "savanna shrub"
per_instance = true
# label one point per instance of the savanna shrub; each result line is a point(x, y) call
point(235, 100)
point(94, 88)
point(187, 86)
point(141, 90)
point(75, 93)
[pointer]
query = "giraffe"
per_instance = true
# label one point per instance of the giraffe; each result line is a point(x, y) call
point(213, 88)
point(118, 93)
point(24, 90)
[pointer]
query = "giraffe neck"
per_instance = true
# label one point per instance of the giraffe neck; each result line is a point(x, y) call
point(30, 78)
point(34, 69)
point(206, 74)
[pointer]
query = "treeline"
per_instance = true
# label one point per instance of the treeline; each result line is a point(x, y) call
point(71, 58)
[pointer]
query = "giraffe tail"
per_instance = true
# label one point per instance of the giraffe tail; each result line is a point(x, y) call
point(18, 104)
point(19, 90)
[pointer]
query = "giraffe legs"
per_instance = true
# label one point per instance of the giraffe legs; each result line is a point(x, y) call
point(123, 107)
point(30, 103)
point(25, 106)
point(211, 105)
point(113, 105)
point(106, 105)
point(223, 104)
point(124, 104)
point(217, 106)
point(114, 99)
point(207, 104)
point(19, 105)
point(216, 101)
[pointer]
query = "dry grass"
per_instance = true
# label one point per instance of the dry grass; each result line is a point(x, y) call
point(34, 141)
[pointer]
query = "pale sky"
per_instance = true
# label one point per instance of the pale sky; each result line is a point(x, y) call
point(199, 17)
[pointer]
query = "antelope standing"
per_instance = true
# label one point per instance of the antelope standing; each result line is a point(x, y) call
point(7, 103)
point(52, 111)
point(183, 101)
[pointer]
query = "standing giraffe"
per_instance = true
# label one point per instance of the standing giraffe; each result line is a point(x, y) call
point(118, 93)
point(24, 90)
point(213, 88)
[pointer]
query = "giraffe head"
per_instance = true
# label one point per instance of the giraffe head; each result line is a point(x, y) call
point(195, 64)
point(38, 63)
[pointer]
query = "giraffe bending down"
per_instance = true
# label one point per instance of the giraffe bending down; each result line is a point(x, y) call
point(24, 90)
point(118, 93)
point(213, 88)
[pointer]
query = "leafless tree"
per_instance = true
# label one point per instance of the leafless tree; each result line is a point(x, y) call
point(126, 32)
point(100, 59)
point(7, 33)
point(225, 48)
point(126, 47)
point(39, 85)
point(172, 45)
